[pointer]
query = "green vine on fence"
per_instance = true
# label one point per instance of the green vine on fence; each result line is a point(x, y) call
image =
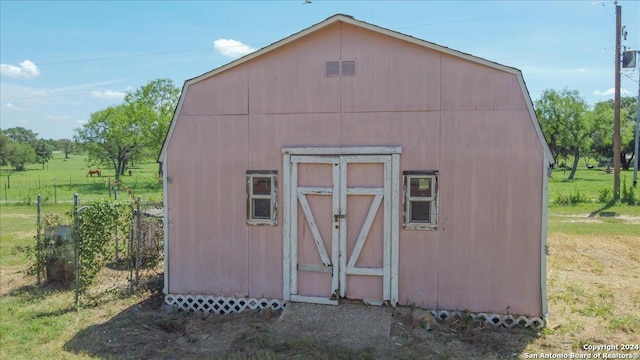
point(95, 231)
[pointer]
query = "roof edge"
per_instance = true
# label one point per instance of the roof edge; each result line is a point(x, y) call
point(375, 28)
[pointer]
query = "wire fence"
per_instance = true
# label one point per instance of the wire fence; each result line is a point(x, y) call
point(133, 256)
point(60, 190)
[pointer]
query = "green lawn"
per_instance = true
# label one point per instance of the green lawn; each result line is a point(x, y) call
point(61, 178)
point(589, 183)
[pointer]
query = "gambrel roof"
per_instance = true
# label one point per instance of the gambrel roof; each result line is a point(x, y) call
point(380, 30)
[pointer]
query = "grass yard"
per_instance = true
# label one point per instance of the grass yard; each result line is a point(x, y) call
point(593, 288)
point(61, 178)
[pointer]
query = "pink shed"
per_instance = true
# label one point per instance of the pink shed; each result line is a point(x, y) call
point(349, 161)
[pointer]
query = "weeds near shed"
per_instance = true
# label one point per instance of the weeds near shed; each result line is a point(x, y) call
point(604, 196)
point(627, 195)
point(601, 305)
point(571, 199)
point(625, 323)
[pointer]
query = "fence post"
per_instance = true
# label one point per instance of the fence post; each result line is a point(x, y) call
point(76, 248)
point(55, 194)
point(116, 229)
point(38, 242)
point(8, 182)
point(130, 253)
point(138, 240)
point(5, 193)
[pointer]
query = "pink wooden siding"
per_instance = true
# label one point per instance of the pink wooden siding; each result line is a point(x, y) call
point(212, 97)
point(390, 75)
point(463, 119)
point(291, 79)
point(207, 228)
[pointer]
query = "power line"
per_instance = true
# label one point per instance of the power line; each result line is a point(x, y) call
point(548, 54)
point(492, 16)
point(266, 43)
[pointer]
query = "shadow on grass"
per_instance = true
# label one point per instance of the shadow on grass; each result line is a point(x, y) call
point(577, 180)
point(34, 292)
point(602, 212)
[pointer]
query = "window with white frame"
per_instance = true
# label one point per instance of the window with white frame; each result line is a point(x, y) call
point(261, 197)
point(420, 200)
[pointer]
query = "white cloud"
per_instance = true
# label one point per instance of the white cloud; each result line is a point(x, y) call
point(607, 92)
point(11, 106)
point(58, 117)
point(232, 48)
point(26, 69)
point(108, 94)
point(611, 92)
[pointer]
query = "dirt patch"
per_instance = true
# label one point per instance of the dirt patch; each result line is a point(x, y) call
point(598, 219)
point(14, 277)
point(143, 331)
point(336, 325)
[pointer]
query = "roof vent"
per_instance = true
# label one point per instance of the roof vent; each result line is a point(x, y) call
point(348, 67)
point(337, 68)
point(332, 68)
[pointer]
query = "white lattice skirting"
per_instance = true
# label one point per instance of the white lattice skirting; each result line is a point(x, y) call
point(227, 305)
point(221, 304)
point(495, 320)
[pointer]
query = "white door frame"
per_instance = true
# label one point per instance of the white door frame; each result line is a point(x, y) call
point(290, 206)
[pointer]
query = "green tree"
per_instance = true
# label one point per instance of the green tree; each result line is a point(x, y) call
point(154, 105)
point(66, 146)
point(602, 136)
point(4, 148)
point(43, 151)
point(563, 121)
point(112, 136)
point(21, 135)
point(121, 134)
point(20, 154)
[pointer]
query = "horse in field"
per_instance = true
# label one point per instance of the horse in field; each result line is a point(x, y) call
point(94, 171)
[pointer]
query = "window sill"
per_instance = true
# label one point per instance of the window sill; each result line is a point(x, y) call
point(413, 226)
point(263, 222)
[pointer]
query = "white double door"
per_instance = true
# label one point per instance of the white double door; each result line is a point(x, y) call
point(339, 238)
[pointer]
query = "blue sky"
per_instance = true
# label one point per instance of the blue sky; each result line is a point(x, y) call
point(61, 61)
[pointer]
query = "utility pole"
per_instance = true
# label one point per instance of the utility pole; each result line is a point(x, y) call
point(616, 108)
point(636, 138)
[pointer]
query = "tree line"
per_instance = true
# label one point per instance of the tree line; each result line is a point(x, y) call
point(114, 137)
point(574, 130)
point(20, 146)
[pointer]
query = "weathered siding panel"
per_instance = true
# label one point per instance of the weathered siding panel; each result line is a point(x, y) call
point(491, 226)
point(390, 75)
point(224, 94)
point(291, 79)
point(207, 231)
point(469, 86)
point(521, 250)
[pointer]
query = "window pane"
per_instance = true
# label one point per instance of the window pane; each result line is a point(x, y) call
point(420, 187)
point(421, 211)
point(261, 185)
point(262, 208)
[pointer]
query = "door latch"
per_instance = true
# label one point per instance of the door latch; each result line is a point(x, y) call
point(337, 217)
